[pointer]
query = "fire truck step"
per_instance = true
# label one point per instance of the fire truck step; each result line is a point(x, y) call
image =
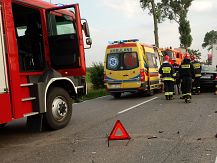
point(28, 99)
point(26, 85)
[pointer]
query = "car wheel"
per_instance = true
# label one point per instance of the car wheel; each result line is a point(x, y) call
point(59, 108)
point(150, 92)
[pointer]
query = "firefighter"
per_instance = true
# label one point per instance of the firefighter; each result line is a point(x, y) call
point(176, 69)
point(186, 74)
point(167, 72)
point(197, 73)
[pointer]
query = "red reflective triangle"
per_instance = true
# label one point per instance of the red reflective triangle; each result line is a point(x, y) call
point(118, 127)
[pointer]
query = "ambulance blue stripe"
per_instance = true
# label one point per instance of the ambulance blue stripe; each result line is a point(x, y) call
point(134, 79)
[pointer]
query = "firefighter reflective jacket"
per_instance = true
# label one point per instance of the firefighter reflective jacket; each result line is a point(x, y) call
point(167, 72)
point(197, 68)
point(186, 70)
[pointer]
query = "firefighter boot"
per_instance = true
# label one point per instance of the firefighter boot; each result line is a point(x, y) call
point(167, 97)
point(194, 92)
point(171, 97)
point(187, 99)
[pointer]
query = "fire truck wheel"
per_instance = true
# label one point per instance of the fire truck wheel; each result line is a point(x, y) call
point(59, 108)
point(2, 125)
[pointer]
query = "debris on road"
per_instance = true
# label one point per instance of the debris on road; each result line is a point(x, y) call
point(178, 132)
point(199, 139)
point(152, 137)
point(160, 132)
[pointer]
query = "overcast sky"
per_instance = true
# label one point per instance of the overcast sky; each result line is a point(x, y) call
point(124, 19)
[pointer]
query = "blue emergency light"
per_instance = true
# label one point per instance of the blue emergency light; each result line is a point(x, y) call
point(123, 41)
point(59, 4)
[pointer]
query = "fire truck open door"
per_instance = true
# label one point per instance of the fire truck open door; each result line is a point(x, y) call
point(79, 65)
point(3, 77)
point(5, 107)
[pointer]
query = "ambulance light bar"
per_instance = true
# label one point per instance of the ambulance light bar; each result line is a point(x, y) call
point(123, 41)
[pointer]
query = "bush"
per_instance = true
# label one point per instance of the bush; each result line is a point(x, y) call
point(97, 75)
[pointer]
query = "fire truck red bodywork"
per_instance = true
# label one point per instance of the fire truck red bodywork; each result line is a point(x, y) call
point(12, 104)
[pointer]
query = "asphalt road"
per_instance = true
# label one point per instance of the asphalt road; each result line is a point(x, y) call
point(162, 132)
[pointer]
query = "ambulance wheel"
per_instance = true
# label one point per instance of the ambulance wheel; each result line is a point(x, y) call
point(116, 95)
point(59, 108)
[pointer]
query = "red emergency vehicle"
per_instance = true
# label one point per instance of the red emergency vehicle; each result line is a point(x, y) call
point(42, 61)
point(174, 55)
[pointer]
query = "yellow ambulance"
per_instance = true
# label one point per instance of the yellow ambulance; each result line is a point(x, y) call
point(131, 66)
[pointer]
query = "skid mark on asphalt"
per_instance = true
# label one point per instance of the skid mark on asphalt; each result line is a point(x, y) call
point(133, 107)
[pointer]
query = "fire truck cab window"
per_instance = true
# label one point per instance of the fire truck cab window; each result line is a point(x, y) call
point(63, 41)
point(29, 38)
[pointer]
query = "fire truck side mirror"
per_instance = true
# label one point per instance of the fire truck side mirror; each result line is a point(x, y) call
point(86, 28)
point(89, 41)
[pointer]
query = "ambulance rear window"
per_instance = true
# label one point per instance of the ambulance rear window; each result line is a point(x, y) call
point(130, 61)
point(122, 61)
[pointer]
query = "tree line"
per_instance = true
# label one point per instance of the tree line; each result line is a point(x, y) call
point(176, 10)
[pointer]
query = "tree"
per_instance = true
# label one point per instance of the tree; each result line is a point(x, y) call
point(177, 10)
point(156, 13)
point(185, 33)
point(210, 39)
point(174, 9)
point(97, 75)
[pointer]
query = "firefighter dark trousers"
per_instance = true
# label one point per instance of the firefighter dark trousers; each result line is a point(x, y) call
point(186, 86)
point(196, 85)
point(168, 87)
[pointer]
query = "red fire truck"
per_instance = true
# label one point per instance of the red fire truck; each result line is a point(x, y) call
point(42, 61)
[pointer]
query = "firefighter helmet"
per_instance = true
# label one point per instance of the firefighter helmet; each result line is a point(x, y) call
point(187, 56)
point(166, 58)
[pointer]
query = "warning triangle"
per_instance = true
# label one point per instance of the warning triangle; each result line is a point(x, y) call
point(119, 132)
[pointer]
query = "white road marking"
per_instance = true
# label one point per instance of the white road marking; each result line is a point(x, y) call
point(216, 160)
point(128, 109)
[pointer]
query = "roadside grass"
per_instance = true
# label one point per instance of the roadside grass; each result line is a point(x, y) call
point(91, 92)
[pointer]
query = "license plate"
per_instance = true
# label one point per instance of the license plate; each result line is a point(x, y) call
point(206, 77)
point(115, 86)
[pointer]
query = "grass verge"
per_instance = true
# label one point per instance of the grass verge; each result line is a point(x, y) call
point(94, 93)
